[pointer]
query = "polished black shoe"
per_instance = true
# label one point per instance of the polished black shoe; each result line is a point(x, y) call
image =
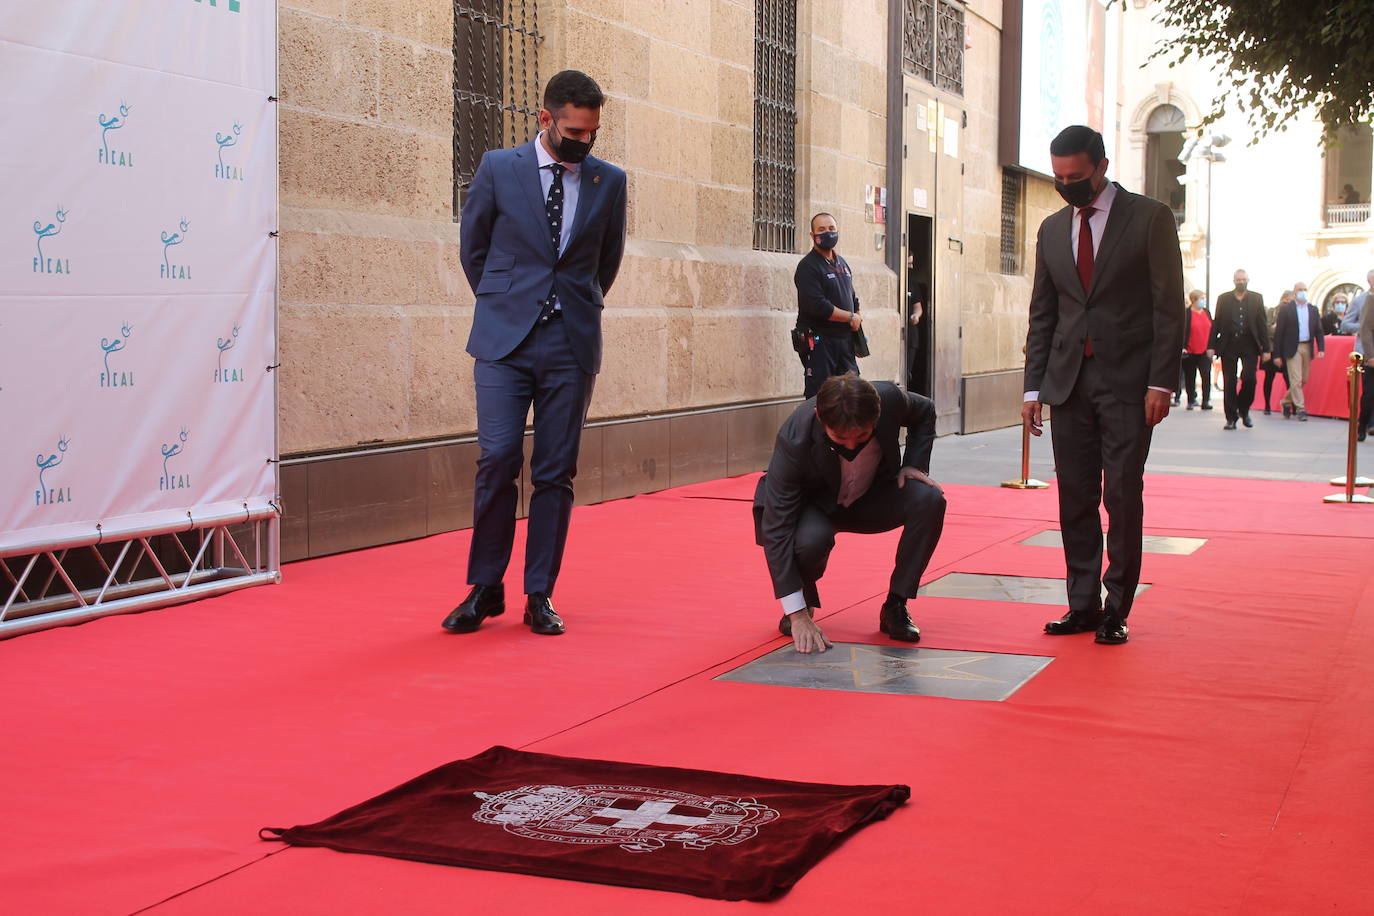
point(1360, 435)
point(1230, 424)
point(1267, 411)
point(1074, 622)
point(894, 620)
point(1206, 406)
point(1287, 411)
point(1247, 421)
point(1112, 632)
point(540, 616)
point(482, 602)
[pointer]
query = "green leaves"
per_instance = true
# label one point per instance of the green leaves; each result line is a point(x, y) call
point(1285, 57)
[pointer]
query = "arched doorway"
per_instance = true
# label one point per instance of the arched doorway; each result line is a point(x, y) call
point(1164, 141)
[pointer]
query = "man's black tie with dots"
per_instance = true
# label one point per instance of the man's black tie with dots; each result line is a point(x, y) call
point(554, 206)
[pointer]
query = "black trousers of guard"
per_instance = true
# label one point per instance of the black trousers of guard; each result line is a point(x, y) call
point(917, 508)
point(1100, 447)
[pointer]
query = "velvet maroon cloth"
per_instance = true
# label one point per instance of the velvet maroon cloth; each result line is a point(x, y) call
point(693, 831)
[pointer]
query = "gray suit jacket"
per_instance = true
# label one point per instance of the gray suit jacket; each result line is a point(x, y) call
point(1133, 311)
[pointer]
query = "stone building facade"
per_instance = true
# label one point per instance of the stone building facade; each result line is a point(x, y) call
point(376, 406)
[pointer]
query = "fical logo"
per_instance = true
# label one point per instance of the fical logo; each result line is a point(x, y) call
point(228, 172)
point(227, 343)
point(45, 496)
point(109, 378)
point(172, 271)
point(114, 122)
point(45, 230)
point(168, 480)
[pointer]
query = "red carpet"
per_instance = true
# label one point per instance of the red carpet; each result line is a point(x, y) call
point(1218, 763)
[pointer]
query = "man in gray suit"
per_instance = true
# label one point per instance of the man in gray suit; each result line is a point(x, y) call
point(1106, 327)
point(542, 235)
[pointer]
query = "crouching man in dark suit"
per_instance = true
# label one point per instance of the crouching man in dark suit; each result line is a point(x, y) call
point(837, 466)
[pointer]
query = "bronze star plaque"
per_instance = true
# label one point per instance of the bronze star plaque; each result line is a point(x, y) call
point(984, 587)
point(950, 673)
point(1150, 543)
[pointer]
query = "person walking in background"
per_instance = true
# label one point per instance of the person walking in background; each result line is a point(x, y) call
point(543, 234)
point(1240, 337)
point(1267, 366)
point(1350, 324)
point(1197, 365)
point(1298, 339)
point(1102, 348)
point(827, 309)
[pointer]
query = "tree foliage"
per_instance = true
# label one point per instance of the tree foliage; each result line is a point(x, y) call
point(1284, 57)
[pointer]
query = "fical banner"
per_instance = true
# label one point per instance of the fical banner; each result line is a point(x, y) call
point(137, 267)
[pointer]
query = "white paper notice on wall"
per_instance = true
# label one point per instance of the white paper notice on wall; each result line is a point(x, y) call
point(919, 199)
point(921, 117)
point(951, 137)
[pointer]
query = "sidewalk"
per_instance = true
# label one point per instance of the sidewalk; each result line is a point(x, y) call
point(1187, 442)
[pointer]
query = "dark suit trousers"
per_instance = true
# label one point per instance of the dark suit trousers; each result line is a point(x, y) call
point(1366, 415)
point(1099, 438)
point(542, 371)
point(1238, 361)
point(917, 508)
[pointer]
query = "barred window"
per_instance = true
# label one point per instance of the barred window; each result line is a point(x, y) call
point(775, 125)
point(933, 42)
point(496, 89)
point(1013, 219)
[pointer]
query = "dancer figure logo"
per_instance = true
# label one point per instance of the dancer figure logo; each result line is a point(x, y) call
point(170, 271)
point(106, 155)
point(227, 343)
point(634, 818)
point(46, 495)
point(110, 378)
point(227, 171)
point(46, 230)
point(168, 480)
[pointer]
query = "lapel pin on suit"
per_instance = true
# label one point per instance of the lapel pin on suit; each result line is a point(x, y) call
point(596, 179)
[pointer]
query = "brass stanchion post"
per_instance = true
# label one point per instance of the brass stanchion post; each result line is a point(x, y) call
point(1027, 482)
point(1350, 481)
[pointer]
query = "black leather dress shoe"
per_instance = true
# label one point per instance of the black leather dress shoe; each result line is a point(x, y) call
point(1074, 622)
point(1287, 411)
point(1206, 406)
point(1247, 421)
point(540, 616)
point(1361, 435)
point(482, 602)
point(894, 620)
point(1112, 632)
point(1230, 424)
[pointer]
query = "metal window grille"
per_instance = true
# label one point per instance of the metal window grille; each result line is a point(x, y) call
point(1013, 220)
point(933, 43)
point(775, 125)
point(495, 81)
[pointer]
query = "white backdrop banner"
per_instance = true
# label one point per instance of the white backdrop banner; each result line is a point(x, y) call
point(138, 189)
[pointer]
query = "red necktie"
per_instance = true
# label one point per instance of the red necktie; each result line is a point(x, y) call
point(1085, 261)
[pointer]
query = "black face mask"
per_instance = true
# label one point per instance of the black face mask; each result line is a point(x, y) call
point(567, 149)
point(1077, 193)
point(848, 454)
point(826, 241)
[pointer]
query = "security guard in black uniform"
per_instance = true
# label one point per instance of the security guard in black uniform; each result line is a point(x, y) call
point(827, 309)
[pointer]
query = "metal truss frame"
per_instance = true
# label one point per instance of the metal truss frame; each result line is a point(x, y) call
point(76, 581)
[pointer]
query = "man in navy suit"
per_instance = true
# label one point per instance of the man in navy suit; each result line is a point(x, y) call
point(543, 231)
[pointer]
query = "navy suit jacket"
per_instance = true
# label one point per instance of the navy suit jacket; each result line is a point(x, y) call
point(1286, 330)
point(511, 265)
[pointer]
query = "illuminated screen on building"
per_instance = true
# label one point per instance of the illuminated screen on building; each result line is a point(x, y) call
point(1063, 56)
